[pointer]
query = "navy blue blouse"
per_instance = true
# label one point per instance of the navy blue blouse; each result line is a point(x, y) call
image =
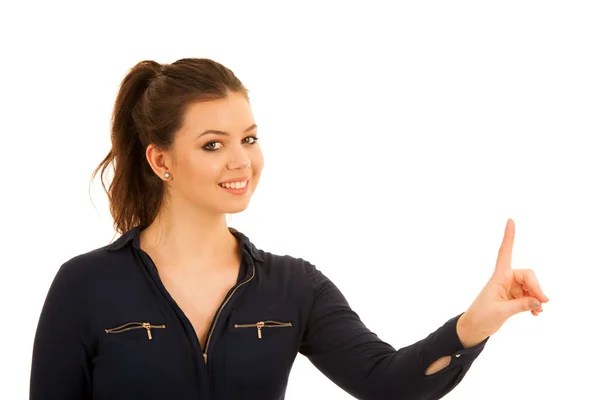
point(110, 330)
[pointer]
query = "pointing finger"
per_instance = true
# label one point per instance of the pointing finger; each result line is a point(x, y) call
point(504, 260)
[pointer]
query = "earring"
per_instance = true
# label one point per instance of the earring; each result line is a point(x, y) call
point(167, 174)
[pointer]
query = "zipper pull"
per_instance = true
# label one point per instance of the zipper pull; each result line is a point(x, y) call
point(147, 326)
point(205, 359)
point(259, 326)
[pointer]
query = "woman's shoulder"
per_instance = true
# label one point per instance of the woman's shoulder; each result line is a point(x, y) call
point(289, 266)
point(278, 259)
point(92, 264)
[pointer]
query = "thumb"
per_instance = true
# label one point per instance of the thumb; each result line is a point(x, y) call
point(523, 304)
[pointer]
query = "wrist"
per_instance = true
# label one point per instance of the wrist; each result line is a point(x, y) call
point(467, 334)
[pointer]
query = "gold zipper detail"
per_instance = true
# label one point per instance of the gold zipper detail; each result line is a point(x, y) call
point(135, 325)
point(263, 324)
point(221, 309)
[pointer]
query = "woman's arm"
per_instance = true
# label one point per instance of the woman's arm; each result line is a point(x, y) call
point(347, 352)
point(61, 363)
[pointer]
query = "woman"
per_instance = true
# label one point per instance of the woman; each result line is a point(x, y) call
point(183, 307)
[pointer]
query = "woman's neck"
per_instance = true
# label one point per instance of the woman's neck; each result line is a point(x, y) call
point(188, 244)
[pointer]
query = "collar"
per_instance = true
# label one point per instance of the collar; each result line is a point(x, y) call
point(132, 237)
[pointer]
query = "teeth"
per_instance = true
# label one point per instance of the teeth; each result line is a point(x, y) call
point(234, 185)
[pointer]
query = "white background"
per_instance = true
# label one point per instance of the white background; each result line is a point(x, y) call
point(398, 137)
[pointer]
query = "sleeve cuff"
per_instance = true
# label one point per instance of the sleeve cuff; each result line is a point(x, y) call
point(447, 343)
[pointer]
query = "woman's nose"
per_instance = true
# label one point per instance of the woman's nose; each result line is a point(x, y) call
point(240, 161)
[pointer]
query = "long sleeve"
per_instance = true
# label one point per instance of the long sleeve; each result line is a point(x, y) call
point(61, 363)
point(349, 354)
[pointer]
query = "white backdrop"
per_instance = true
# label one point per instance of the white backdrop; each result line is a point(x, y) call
point(398, 140)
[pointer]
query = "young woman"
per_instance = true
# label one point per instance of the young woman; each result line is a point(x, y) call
point(182, 306)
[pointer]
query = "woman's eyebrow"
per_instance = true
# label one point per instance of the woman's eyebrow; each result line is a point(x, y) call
point(218, 132)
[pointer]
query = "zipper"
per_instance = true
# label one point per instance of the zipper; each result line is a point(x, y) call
point(264, 324)
point(135, 325)
point(221, 309)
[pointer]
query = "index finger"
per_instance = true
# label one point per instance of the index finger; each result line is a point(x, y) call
point(504, 260)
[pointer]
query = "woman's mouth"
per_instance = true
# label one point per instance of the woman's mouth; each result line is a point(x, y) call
point(239, 187)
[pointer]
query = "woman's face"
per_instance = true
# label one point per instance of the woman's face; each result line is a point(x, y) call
point(216, 144)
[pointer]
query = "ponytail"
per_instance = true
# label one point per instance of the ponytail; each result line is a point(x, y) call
point(133, 178)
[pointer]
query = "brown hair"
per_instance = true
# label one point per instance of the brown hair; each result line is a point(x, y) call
point(149, 108)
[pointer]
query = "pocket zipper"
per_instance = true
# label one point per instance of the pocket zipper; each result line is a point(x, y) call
point(135, 325)
point(264, 324)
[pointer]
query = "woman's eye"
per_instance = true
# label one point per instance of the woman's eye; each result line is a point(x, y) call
point(210, 146)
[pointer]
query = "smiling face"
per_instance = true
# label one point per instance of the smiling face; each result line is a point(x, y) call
point(216, 144)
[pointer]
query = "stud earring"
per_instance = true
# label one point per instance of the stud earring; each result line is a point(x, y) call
point(167, 174)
